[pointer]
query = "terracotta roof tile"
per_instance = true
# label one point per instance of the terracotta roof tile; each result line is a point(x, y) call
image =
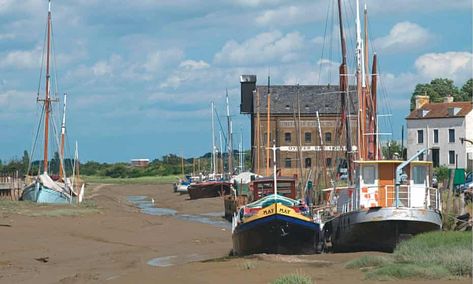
point(441, 110)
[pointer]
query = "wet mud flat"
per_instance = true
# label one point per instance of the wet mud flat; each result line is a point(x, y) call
point(147, 234)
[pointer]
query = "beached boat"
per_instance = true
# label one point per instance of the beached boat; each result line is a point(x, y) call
point(385, 200)
point(274, 222)
point(208, 189)
point(239, 194)
point(384, 207)
point(43, 188)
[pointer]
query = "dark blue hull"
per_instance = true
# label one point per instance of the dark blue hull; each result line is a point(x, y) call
point(276, 234)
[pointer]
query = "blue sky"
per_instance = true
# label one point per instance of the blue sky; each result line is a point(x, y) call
point(141, 74)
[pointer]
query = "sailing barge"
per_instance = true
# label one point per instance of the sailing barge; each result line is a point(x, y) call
point(275, 222)
point(384, 207)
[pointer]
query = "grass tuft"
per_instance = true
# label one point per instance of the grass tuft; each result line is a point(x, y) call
point(434, 255)
point(293, 278)
point(368, 261)
point(248, 265)
point(396, 271)
point(32, 209)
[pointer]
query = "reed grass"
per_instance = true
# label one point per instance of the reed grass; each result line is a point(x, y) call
point(293, 278)
point(434, 255)
point(368, 261)
point(27, 208)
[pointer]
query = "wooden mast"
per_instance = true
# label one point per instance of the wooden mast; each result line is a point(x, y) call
point(343, 71)
point(370, 108)
point(374, 90)
point(229, 138)
point(47, 99)
point(258, 131)
point(63, 134)
point(268, 136)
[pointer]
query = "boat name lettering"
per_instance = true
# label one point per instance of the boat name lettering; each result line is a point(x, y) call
point(268, 211)
point(284, 210)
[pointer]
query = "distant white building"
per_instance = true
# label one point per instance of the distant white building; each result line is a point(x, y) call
point(439, 127)
point(140, 163)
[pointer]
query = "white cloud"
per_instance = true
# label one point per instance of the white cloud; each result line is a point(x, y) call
point(404, 36)
point(21, 59)
point(453, 65)
point(293, 14)
point(160, 59)
point(263, 48)
point(194, 65)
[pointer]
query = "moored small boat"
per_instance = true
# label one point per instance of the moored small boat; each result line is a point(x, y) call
point(45, 190)
point(208, 189)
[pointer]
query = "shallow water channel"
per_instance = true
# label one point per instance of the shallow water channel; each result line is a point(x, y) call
point(147, 206)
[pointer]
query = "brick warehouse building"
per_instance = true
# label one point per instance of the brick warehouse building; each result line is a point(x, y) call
point(284, 125)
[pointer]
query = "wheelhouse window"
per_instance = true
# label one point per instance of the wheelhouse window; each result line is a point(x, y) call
point(419, 174)
point(308, 137)
point(369, 174)
point(451, 135)
point(420, 136)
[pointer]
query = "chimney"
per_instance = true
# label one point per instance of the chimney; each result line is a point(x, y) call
point(448, 99)
point(421, 101)
point(248, 85)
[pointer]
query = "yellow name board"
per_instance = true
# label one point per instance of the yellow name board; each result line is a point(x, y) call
point(275, 209)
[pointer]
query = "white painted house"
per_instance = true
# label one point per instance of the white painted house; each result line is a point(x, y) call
point(439, 127)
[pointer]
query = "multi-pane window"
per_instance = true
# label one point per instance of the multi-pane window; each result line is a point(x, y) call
point(328, 137)
point(308, 137)
point(328, 162)
point(287, 163)
point(436, 136)
point(451, 135)
point(287, 137)
point(308, 162)
point(451, 157)
point(420, 136)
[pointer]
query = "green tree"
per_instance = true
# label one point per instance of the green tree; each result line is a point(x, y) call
point(26, 161)
point(392, 150)
point(437, 89)
point(467, 91)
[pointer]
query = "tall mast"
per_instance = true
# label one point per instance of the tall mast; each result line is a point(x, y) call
point(343, 70)
point(258, 133)
point(374, 110)
point(360, 82)
point(63, 134)
point(47, 99)
point(229, 135)
point(213, 162)
point(268, 136)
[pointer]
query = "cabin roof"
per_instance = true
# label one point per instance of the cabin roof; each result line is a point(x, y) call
point(370, 162)
point(271, 179)
point(322, 98)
